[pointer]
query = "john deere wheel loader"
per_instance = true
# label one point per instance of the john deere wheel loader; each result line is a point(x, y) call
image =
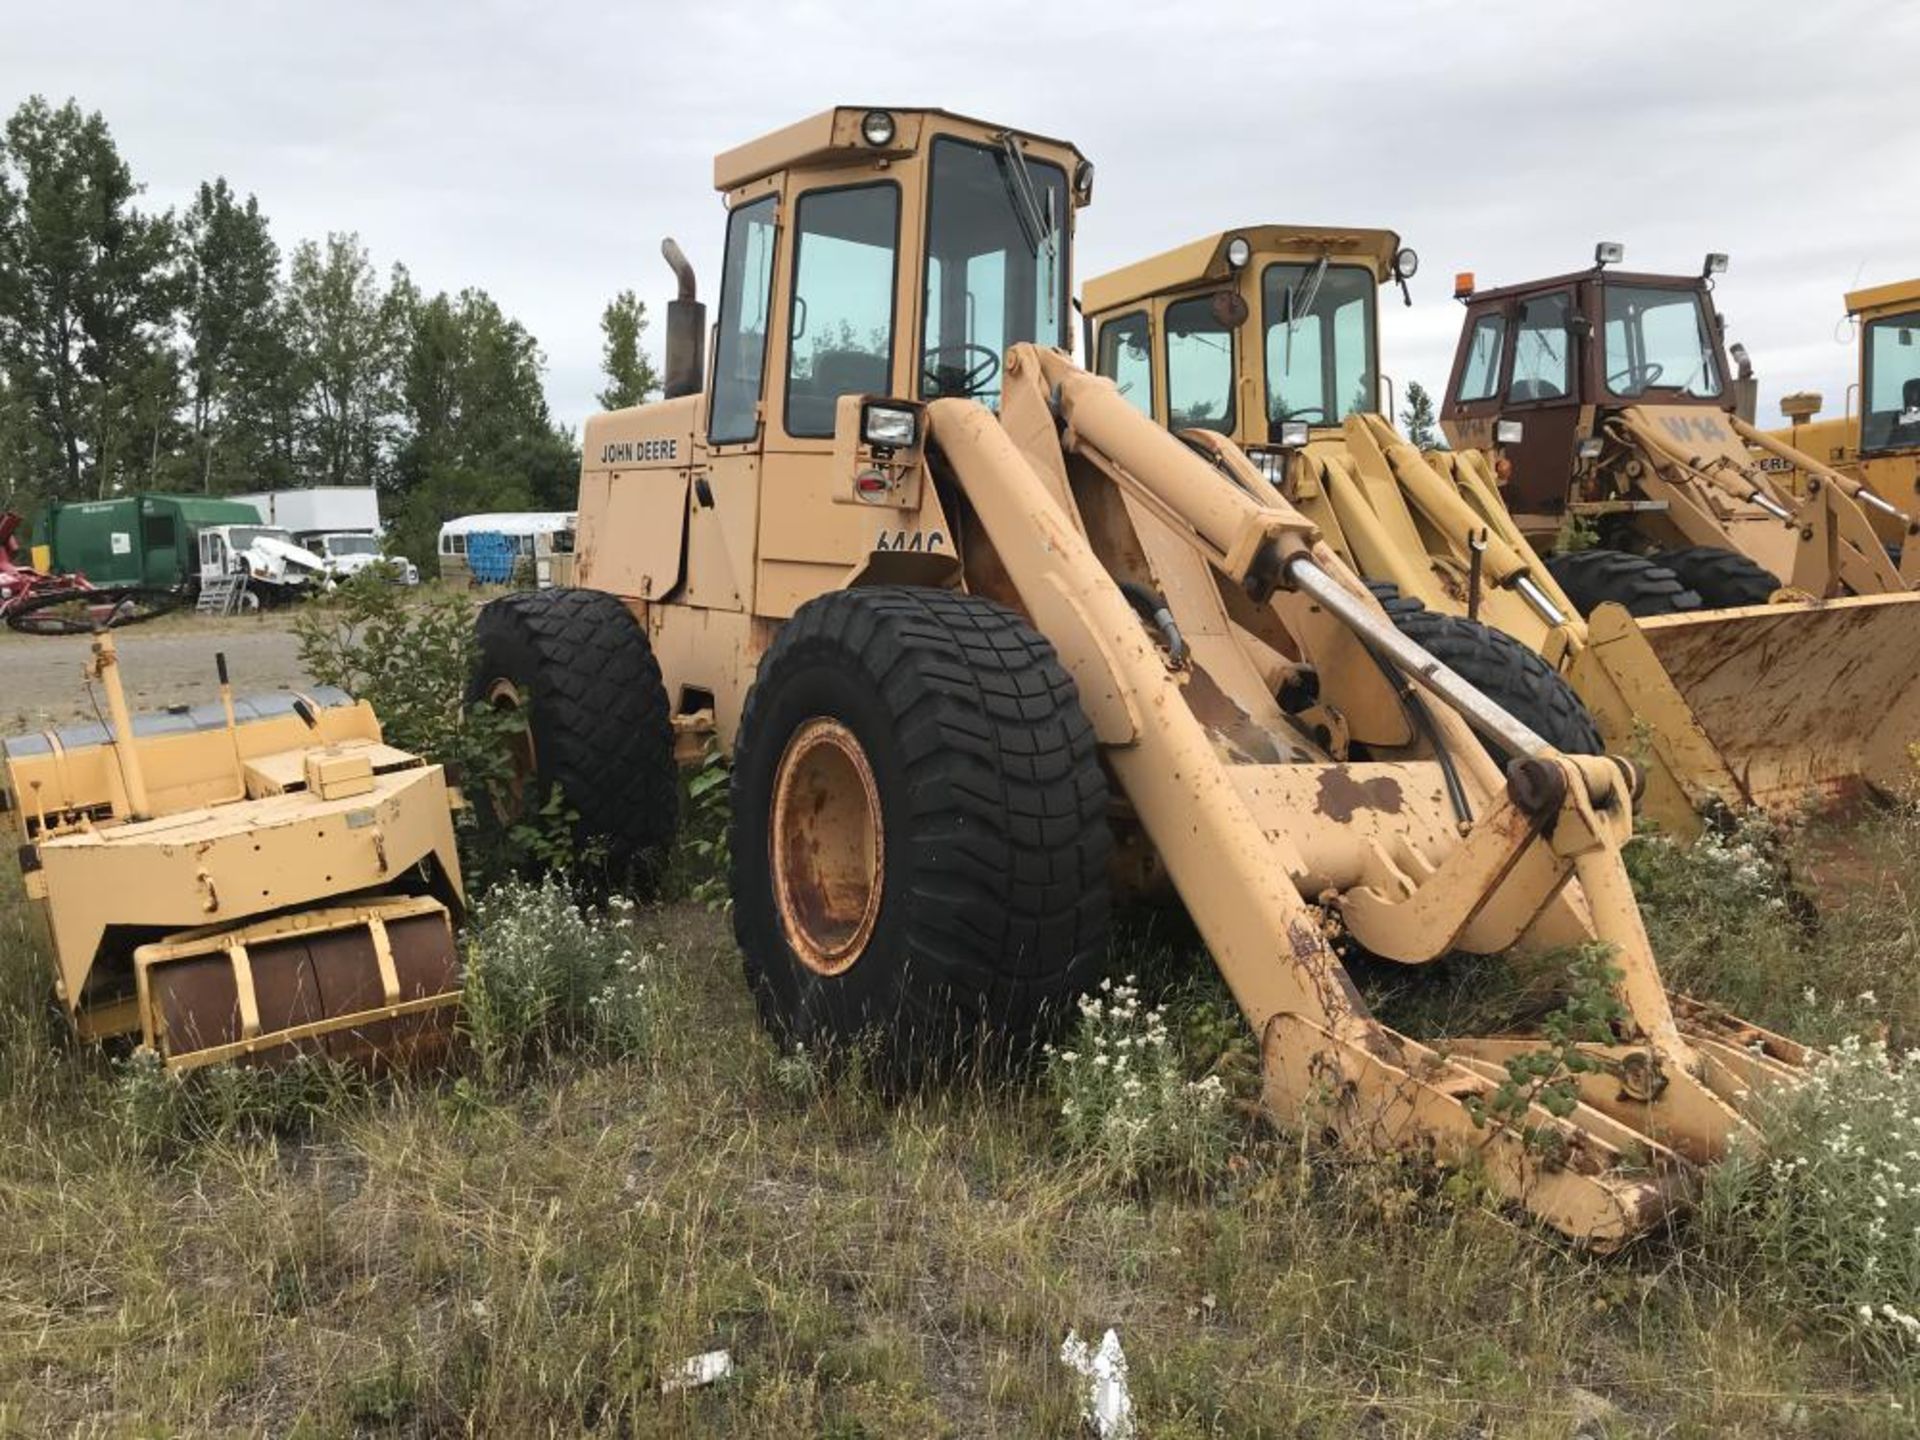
point(1624, 417)
point(241, 882)
point(1267, 337)
point(1878, 442)
point(987, 646)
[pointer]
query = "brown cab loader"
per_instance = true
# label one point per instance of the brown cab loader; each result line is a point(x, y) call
point(243, 881)
point(986, 645)
point(1267, 337)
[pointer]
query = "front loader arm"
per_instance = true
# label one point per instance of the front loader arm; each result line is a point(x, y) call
point(1235, 837)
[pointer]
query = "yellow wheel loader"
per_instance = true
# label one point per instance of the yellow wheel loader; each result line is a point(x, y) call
point(1878, 443)
point(988, 648)
point(1267, 338)
point(243, 882)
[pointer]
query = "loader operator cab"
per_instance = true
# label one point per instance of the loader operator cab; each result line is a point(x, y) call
point(875, 261)
point(1540, 366)
point(1262, 334)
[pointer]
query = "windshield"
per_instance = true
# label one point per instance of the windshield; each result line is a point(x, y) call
point(996, 265)
point(241, 537)
point(1890, 418)
point(352, 545)
point(1319, 366)
point(1657, 340)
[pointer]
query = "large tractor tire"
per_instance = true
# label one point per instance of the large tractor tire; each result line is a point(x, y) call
point(1723, 578)
point(1501, 668)
point(920, 833)
point(598, 728)
point(1598, 577)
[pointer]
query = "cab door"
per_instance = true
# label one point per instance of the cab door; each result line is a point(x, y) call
point(837, 293)
point(1543, 393)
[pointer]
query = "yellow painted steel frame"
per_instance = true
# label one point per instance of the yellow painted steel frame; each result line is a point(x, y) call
point(373, 916)
point(1828, 542)
point(1253, 847)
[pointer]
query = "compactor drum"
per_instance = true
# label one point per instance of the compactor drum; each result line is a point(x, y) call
point(243, 881)
point(988, 647)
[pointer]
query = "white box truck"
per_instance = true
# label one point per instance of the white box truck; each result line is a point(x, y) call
point(340, 523)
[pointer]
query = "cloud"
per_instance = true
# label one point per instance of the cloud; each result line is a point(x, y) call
point(541, 151)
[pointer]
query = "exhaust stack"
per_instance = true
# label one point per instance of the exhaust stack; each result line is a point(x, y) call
point(686, 358)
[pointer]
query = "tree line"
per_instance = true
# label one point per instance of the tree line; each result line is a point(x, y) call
point(185, 351)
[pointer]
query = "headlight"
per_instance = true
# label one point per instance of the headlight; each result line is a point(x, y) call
point(876, 128)
point(1239, 252)
point(1273, 465)
point(1294, 434)
point(1508, 432)
point(1406, 264)
point(889, 427)
point(1716, 264)
point(1083, 182)
point(1609, 252)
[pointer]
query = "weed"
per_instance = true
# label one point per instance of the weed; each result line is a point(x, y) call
point(1828, 1213)
point(544, 975)
point(1125, 1101)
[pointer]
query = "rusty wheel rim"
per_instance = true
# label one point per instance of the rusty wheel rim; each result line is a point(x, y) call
point(523, 762)
point(827, 846)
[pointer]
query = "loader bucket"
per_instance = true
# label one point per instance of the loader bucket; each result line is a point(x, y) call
point(1775, 706)
point(357, 982)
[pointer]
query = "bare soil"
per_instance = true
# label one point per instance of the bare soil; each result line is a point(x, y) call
point(167, 662)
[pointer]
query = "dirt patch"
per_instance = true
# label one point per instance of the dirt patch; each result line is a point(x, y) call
point(167, 663)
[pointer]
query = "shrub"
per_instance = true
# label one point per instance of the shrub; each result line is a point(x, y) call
point(542, 974)
point(1829, 1207)
point(1125, 1100)
point(408, 658)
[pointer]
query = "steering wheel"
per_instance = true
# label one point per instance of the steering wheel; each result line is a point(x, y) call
point(85, 612)
point(961, 379)
point(1317, 413)
point(1622, 383)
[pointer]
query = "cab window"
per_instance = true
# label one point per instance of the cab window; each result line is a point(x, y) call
point(1542, 350)
point(1480, 380)
point(1891, 415)
point(1199, 367)
point(1126, 360)
point(1657, 339)
point(1319, 336)
point(840, 327)
point(996, 265)
point(740, 349)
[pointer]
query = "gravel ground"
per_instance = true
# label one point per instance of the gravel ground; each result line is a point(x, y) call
point(167, 662)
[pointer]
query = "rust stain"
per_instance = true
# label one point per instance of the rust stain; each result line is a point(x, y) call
point(1341, 795)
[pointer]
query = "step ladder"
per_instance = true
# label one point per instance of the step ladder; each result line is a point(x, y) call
point(221, 594)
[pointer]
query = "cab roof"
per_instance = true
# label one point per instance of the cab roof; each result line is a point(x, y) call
point(1200, 261)
point(826, 137)
point(1607, 274)
point(1881, 297)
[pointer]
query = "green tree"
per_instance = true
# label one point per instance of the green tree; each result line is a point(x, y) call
point(628, 368)
point(478, 432)
point(88, 289)
point(242, 375)
point(348, 337)
point(1417, 418)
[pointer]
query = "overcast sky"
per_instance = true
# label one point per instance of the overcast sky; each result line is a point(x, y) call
point(541, 150)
